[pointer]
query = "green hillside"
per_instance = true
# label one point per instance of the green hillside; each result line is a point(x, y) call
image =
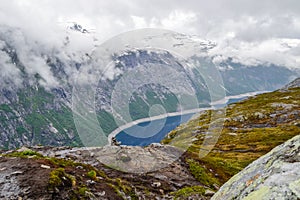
point(251, 129)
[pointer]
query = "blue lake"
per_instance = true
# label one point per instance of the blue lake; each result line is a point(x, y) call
point(167, 124)
point(127, 136)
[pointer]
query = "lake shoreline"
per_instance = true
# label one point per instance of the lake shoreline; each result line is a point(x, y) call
point(221, 102)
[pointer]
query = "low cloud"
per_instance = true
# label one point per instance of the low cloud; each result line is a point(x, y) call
point(29, 57)
point(250, 31)
point(10, 74)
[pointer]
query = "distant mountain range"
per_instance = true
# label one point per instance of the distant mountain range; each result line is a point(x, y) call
point(37, 83)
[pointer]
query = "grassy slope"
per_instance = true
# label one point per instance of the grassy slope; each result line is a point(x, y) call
point(251, 129)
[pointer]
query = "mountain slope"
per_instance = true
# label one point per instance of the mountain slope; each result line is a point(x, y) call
point(37, 81)
point(252, 128)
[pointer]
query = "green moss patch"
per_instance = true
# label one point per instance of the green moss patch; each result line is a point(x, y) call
point(24, 154)
point(188, 191)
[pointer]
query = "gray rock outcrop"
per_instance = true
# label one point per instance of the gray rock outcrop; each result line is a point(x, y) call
point(275, 175)
point(295, 83)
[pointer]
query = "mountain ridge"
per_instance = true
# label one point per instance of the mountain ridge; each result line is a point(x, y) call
point(45, 75)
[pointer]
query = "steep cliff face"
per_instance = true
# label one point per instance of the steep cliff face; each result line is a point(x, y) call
point(275, 175)
point(37, 117)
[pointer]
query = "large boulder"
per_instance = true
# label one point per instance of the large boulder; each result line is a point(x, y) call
point(275, 175)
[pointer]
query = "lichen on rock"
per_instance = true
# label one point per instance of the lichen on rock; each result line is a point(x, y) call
point(273, 176)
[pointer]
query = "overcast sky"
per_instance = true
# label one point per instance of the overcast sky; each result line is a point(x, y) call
point(251, 30)
point(245, 19)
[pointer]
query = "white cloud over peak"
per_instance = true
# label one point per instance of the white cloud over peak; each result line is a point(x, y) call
point(250, 31)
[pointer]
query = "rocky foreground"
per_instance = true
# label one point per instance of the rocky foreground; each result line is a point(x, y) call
point(77, 173)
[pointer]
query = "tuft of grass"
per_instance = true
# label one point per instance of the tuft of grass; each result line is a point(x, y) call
point(92, 174)
point(55, 177)
point(116, 189)
point(201, 174)
point(188, 191)
point(122, 187)
point(58, 177)
point(83, 190)
point(25, 154)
